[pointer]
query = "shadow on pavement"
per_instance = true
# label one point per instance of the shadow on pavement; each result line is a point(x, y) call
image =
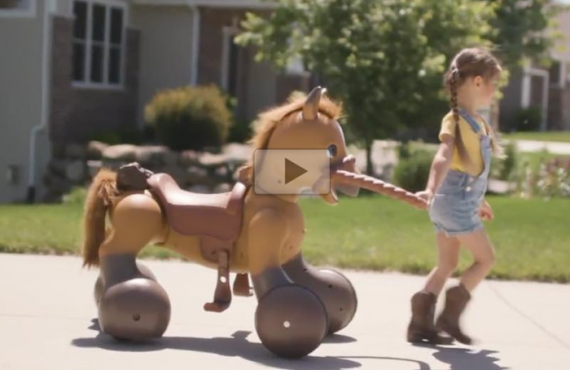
point(238, 346)
point(235, 346)
point(466, 359)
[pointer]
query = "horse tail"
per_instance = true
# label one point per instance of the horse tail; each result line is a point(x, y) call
point(99, 199)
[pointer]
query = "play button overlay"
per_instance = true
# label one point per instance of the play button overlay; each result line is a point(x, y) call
point(291, 171)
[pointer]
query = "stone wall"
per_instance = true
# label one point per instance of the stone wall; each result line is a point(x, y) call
point(194, 171)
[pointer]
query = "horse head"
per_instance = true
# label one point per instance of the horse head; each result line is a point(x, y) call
point(307, 123)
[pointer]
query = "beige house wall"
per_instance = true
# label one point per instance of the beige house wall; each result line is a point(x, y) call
point(20, 101)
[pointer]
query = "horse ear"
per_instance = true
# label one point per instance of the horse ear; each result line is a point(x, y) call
point(311, 107)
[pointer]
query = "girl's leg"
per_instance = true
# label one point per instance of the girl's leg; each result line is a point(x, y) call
point(421, 327)
point(447, 258)
point(457, 297)
point(480, 246)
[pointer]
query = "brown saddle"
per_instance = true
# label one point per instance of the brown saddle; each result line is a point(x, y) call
point(215, 219)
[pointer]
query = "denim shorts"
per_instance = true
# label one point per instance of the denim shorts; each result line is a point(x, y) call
point(455, 207)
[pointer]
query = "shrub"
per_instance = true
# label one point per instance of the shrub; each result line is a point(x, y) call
point(412, 171)
point(240, 132)
point(506, 168)
point(194, 118)
point(527, 119)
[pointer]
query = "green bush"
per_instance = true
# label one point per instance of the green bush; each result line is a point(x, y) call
point(194, 118)
point(412, 171)
point(528, 119)
point(506, 168)
point(240, 132)
point(77, 195)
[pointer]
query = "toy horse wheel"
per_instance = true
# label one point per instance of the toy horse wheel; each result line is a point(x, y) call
point(342, 303)
point(100, 287)
point(136, 309)
point(291, 321)
point(332, 287)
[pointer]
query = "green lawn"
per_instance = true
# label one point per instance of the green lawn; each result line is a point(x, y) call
point(560, 136)
point(532, 237)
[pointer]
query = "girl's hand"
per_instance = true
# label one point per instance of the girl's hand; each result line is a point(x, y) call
point(486, 212)
point(426, 195)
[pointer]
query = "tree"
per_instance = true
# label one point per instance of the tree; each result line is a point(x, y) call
point(383, 59)
point(523, 29)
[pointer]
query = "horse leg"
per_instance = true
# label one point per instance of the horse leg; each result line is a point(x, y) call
point(333, 288)
point(100, 287)
point(132, 304)
point(290, 320)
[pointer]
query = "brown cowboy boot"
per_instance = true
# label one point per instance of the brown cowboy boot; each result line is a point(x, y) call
point(421, 327)
point(455, 303)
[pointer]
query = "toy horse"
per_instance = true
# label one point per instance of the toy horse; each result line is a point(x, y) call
point(239, 231)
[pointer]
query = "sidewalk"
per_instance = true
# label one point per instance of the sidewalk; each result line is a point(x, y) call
point(539, 146)
point(47, 322)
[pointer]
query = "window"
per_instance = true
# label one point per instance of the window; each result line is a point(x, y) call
point(555, 74)
point(17, 8)
point(98, 44)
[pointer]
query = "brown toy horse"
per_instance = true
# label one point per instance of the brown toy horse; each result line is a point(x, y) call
point(240, 231)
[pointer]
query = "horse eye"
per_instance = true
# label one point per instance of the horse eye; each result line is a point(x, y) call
point(332, 150)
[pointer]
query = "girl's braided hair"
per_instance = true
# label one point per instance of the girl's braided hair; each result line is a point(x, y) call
point(471, 62)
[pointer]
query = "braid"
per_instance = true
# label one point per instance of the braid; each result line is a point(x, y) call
point(453, 81)
point(452, 85)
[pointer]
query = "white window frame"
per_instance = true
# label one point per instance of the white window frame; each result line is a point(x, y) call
point(526, 86)
point(88, 42)
point(27, 12)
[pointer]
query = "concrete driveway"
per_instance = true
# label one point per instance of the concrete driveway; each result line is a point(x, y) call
point(48, 321)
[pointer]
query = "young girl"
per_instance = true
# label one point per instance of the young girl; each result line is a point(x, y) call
point(455, 195)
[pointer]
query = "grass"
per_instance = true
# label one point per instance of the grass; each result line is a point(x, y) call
point(558, 136)
point(531, 237)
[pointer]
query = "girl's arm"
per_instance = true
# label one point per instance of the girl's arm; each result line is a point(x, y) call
point(440, 167)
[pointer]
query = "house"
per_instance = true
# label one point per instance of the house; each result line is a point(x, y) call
point(76, 68)
point(547, 89)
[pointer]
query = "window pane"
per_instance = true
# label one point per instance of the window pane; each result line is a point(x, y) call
point(78, 62)
point(97, 63)
point(116, 25)
point(555, 73)
point(115, 65)
point(80, 24)
point(98, 27)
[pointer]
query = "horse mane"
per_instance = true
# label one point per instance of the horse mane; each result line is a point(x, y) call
point(283, 115)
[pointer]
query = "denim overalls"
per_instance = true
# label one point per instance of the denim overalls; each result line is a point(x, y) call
point(455, 206)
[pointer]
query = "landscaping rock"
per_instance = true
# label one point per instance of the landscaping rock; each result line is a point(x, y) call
point(201, 189)
point(93, 167)
point(123, 153)
point(95, 149)
point(222, 188)
point(197, 176)
point(75, 171)
point(189, 158)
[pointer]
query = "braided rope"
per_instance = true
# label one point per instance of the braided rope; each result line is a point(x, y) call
point(378, 186)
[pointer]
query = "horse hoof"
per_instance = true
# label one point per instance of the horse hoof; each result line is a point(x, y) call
point(291, 321)
point(136, 309)
point(340, 300)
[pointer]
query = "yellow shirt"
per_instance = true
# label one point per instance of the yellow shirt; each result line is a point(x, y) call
point(470, 140)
